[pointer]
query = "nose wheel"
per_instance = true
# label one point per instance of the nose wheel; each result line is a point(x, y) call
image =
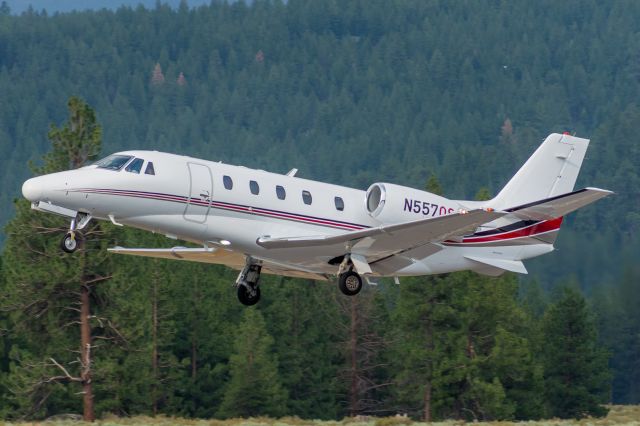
point(71, 241)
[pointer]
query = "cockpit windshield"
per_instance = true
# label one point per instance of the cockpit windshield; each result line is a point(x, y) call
point(113, 162)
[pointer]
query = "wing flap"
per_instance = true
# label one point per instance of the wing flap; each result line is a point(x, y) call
point(551, 208)
point(218, 256)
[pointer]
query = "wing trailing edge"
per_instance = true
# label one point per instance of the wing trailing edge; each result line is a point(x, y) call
point(219, 256)
point(558, 206)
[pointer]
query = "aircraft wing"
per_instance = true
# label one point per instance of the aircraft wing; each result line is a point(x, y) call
point(218, 256)
point(386, 240)
point(560, 205)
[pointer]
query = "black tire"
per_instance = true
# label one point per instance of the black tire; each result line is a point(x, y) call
point(350, 283)
point(246, 298)
point(70, 245)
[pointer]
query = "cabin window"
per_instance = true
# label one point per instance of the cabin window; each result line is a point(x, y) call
point(280, 192)
point(113, 162)
point(306, 197)
point(135, 166)
point(149, 170)
point(228, 183)
point(254, 187)
point(339, 203)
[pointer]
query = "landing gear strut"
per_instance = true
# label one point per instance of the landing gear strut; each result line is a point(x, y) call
point(73, 239)
point(247, 283)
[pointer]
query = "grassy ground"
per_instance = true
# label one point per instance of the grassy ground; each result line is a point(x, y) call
point(619, 415)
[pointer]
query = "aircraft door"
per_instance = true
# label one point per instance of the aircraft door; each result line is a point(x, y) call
point(200, 192)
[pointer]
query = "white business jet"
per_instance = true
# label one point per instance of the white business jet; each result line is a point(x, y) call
point(256, 221)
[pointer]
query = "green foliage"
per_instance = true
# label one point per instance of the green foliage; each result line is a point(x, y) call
point(383, 88)
point(75, 144)
point(576, 372)
point(42, 285)
point(254, 387)
point(348, 93)
point(433, 185)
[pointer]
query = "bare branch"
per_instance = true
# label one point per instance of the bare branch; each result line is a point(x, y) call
point(64, 370)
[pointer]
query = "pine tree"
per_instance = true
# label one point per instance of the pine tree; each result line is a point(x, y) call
point(305, 320)
point(47, 291)
point(428, 352)
point(577, 376)
point(254, 387)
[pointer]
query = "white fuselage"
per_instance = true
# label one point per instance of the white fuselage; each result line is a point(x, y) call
point(187, 199)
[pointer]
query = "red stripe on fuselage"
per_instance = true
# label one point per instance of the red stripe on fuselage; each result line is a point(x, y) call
point(527, 231)
point(227, 206)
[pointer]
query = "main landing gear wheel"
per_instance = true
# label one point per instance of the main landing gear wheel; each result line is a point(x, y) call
point(350, 283)
point(247, 283)
point(248, 295)
point(71, 242)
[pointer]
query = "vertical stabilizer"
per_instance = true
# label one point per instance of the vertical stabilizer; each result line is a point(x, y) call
point(551, 170)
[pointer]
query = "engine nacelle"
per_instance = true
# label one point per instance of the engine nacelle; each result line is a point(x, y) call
point(389, 203)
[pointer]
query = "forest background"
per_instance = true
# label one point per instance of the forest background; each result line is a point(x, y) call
point(351, 93)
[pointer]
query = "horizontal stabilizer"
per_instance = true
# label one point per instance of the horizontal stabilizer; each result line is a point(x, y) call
point(558, 206)
point(507, 265)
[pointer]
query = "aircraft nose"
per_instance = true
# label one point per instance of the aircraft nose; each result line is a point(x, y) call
point(32, 189)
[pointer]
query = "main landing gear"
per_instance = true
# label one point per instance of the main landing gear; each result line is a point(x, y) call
point(247, 283)
point(349, 281)
point(73, 239)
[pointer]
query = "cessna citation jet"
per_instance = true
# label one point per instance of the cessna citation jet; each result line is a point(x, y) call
point(256, 222)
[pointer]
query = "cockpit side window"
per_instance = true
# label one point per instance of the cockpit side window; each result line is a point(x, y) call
point(135, 166)
point(113, 162)
point(149, 170)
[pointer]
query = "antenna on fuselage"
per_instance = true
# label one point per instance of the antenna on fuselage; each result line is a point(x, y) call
point(292, 172)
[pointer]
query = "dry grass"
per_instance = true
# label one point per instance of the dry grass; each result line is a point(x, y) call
point(619, 415)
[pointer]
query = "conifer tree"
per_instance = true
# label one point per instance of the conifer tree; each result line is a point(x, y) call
point(49, 293)
point(254, 387)
point(577, 377)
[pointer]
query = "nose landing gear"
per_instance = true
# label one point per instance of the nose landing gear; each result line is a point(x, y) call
point(73, 239)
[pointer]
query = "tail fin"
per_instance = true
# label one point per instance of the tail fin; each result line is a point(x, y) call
point(551, 170)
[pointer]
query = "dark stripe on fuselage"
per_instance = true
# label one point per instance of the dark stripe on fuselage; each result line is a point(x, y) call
point(228, 206)
point(520, 229)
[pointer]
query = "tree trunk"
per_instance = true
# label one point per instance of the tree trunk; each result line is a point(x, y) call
point(353, 352)
point(154, 349)
point(85, 355)
point(194, 357)
point(426, 416)
point(194, 332)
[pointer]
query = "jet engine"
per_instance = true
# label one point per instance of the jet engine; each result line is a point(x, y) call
point(389, 203)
